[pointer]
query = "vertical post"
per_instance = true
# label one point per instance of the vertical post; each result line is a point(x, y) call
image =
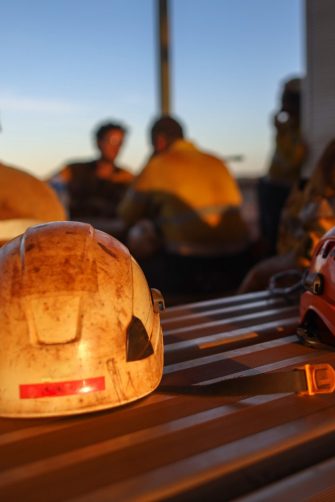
point(318, 117)
point(164, 76)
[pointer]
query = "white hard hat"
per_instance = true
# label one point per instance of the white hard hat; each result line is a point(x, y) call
point(80, 327)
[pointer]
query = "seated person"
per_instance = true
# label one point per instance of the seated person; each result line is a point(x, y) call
point(288, 157)
point(309, 213)
point(25, 201)
point(95, 188)
point(192, 203)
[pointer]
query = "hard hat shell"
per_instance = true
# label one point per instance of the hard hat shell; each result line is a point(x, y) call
point(317, 304)
point(80, 331)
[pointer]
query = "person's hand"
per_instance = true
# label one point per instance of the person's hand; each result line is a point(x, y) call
point(143, 240)
point(259, 276)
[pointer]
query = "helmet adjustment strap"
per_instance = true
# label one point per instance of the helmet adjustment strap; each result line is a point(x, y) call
point(309, 379)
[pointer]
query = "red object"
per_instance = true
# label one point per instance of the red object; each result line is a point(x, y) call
point(318, 301)
point(56, 389)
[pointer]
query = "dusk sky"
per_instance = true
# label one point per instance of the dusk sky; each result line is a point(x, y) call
point(67, 65)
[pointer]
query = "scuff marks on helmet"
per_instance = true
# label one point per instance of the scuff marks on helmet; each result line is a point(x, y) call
point(108, 251)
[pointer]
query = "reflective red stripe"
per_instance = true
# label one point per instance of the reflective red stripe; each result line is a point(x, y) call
point(56, 389)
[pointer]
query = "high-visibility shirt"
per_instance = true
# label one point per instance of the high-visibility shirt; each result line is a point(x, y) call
point(307, 216)
point(192, 198)
point(25, 201)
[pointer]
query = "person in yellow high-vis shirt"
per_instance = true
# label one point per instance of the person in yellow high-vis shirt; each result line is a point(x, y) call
point(308, 214)
point(185, 199)
point(25, 201)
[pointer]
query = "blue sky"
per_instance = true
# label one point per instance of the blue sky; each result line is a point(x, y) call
point(67, 65)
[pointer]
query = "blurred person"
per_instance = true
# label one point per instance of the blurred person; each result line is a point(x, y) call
point(308, 213)
point(93, 189)
point(25, 201)
point(184, 206)
point(288, 157)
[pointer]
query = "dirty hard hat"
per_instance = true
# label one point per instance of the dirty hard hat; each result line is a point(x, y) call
point(80, 327)
point(317, 309)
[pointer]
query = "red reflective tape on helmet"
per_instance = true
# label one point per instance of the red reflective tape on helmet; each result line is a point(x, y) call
point(57, 389)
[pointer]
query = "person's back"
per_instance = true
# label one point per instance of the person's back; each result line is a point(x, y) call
point(193, 199)
point(193, 204)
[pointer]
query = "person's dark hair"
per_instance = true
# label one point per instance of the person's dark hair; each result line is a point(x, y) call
point(102, 129)
point(291, 96)
point(169, 127)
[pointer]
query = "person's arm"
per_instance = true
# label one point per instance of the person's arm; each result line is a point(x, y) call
point(136, 203)
point(133, 207)
point(317, 217)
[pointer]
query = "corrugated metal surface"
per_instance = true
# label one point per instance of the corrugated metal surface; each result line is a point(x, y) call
point(189, 447)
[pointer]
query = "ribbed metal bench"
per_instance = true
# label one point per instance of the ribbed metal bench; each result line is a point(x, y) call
point(187, 447)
